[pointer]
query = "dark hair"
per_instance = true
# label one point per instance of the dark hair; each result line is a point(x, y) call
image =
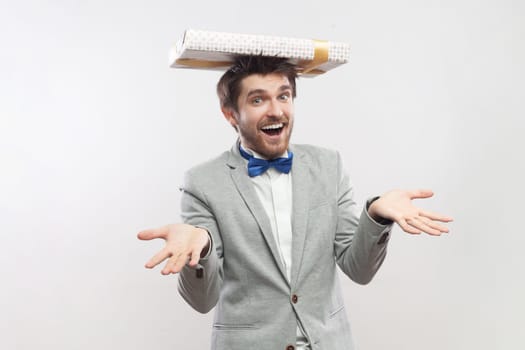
point(229, 86)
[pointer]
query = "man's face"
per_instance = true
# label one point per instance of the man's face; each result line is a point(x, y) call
point(265, 114)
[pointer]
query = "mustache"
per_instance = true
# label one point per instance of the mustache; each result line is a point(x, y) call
point(274, 120)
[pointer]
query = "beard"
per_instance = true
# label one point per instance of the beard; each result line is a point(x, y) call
point(271, 143)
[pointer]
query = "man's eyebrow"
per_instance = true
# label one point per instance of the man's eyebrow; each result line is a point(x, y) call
point(256, 92)
point(262, 91)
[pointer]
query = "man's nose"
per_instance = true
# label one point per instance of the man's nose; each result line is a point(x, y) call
point(275, 109)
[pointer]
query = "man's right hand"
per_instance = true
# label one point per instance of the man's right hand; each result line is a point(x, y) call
point(183, 242)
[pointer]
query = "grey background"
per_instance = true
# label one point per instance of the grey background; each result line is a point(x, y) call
point(96, 132)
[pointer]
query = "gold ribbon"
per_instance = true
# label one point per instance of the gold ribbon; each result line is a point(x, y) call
point(320, 57)
point(305, 66)
point(188, 62)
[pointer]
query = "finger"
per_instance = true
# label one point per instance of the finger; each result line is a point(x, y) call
point(153, 233)
point(415, 194)
point(434, 225)
point(407, 228)
point(419, 224)
point(166, 270)
point(195, 257)
point(158, 258)
point(169, 266)
point(435, 216)
point(179, 264)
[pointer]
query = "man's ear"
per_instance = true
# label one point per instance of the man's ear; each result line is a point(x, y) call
point(229, 114)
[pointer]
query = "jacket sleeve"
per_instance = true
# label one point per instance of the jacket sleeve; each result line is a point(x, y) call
point(201, 293)
point(360, 242)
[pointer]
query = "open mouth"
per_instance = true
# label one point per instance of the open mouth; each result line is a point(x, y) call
point(273, 129)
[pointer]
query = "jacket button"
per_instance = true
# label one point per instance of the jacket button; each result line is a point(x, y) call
point(290, 347)
point(295, 298)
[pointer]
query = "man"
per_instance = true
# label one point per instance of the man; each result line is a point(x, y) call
point(269, 237)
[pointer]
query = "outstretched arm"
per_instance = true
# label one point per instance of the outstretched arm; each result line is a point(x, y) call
point(195, 243)
point(397, 206)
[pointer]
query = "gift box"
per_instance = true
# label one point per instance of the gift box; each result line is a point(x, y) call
point(200, 49)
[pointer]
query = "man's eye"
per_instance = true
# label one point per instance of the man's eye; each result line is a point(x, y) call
point(284, 97)
point(257, 100)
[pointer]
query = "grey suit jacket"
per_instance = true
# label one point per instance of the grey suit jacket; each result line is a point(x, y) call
point(256, 306)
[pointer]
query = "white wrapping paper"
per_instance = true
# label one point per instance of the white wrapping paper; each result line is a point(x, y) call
point(215, 50)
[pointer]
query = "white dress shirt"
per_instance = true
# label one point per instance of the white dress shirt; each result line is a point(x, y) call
point(274, 190)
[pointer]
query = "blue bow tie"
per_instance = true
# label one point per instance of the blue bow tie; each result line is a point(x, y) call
point(257, 166)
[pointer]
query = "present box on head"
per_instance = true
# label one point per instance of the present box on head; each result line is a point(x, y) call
point(200, 49)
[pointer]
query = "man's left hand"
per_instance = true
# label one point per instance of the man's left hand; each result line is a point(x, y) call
point(397, 206)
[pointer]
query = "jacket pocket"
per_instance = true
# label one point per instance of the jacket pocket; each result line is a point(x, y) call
point(234, 327)
point(335, 312)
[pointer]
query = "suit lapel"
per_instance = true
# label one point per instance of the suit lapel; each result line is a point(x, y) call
point(245, 187)
point(300, 189)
